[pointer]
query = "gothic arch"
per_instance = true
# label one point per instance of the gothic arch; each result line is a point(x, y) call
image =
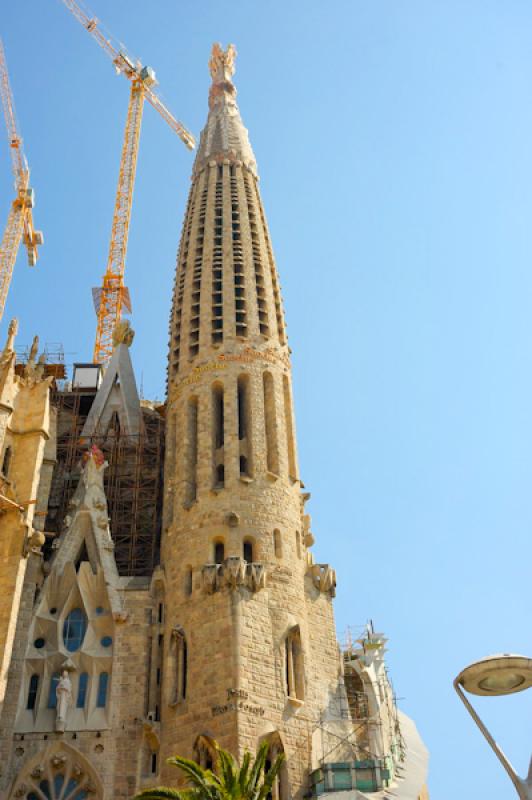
point(281, 788)
point(205, 751)
point(58, 772)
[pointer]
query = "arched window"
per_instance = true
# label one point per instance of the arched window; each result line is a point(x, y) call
point(280, 786)
point(204, 752)
point(52, 696)
point(57, 773)
point(248, 551)
point(270, 424)
point(220, 476)
point(277, 544)
point(219, 552)
point(74, 629)
point(103, 682)
point(32, 692)
point(243, 465)
point(294, 669)
point(82, 690)
point(6, 461)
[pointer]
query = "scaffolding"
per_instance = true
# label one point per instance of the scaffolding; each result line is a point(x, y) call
point(133, 480)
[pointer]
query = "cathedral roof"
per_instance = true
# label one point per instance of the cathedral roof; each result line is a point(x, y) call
point(224, 135)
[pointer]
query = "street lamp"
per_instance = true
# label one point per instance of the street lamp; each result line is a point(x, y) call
point(495, 676)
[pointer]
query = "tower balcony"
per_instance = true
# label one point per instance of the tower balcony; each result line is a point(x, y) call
point(234, 572)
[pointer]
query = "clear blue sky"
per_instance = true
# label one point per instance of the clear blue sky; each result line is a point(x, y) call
point(394, 140)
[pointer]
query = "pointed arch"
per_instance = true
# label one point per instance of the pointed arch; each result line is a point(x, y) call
point(280, 789)
point(57, 772)
point(205, 751)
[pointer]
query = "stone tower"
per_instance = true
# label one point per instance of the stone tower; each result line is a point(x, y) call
point(248, 620)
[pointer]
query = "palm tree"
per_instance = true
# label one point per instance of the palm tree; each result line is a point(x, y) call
point(227, 781)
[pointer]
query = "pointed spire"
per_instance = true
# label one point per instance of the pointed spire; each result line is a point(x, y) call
point(224, 135)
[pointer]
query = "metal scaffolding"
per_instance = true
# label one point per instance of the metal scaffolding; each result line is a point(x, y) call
point(133, 480)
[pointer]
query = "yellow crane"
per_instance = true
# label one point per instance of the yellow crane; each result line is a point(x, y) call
point(112, 296)
point(20, 220)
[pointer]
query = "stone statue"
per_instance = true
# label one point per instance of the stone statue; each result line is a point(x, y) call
point(123, 333)
point(64, 699)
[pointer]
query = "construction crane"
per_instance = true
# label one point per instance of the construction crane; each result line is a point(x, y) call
point(20, 220)
point(113, 296)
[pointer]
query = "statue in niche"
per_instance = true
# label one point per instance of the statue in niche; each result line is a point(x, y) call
point(64, 700)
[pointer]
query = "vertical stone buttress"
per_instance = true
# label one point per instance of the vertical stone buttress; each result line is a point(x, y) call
point(232, 489)
point(24, 432)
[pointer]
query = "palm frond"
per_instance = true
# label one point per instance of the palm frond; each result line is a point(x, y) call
point(165, 793)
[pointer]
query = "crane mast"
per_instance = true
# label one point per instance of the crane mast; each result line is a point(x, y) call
point(20, 219)
point(113, 296)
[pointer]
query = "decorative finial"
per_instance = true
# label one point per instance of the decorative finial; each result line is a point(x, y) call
point(11, 333)
point(222, 68)
point(222, 63)
point(123, 333)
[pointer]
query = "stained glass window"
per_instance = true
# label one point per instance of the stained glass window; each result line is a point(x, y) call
point(74, 629)
point(103, 681)
point(82, 690)
point(52, 696)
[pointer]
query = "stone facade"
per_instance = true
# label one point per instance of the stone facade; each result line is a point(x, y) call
point(232, 636)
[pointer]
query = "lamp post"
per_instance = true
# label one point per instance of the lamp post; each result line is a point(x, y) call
point(495, 676)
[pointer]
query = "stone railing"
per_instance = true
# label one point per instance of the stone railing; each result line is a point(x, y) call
point(234, 572)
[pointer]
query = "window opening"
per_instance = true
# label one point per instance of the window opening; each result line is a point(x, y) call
point(32, 692)
point(270, 424)
point(52, 696)
point(188, 581)
point(181, 665)
point(82, 690)
point(103, 682)
point(191, 450)
point(6, 461)
point(277, 544)
point(218, 412)
point(290, 439)
point(82, 556)
point(294, 664)
point(248, 551)
point(219, 552)
point(74, 629)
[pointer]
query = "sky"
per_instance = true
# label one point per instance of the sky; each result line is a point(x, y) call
point(394, 143)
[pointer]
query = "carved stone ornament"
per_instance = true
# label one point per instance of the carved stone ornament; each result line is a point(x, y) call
point(324, 578)
point(58, 761)
point(37, 772)
point(222, 62)
point(233, 573)
point(123, 334)
point(232, 519)
point(209, 577)
point(21, 790)
point(256, 575)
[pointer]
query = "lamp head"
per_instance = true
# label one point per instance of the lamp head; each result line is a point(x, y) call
point(501, 674)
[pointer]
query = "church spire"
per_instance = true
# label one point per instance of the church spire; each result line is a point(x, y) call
point(224, 135)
